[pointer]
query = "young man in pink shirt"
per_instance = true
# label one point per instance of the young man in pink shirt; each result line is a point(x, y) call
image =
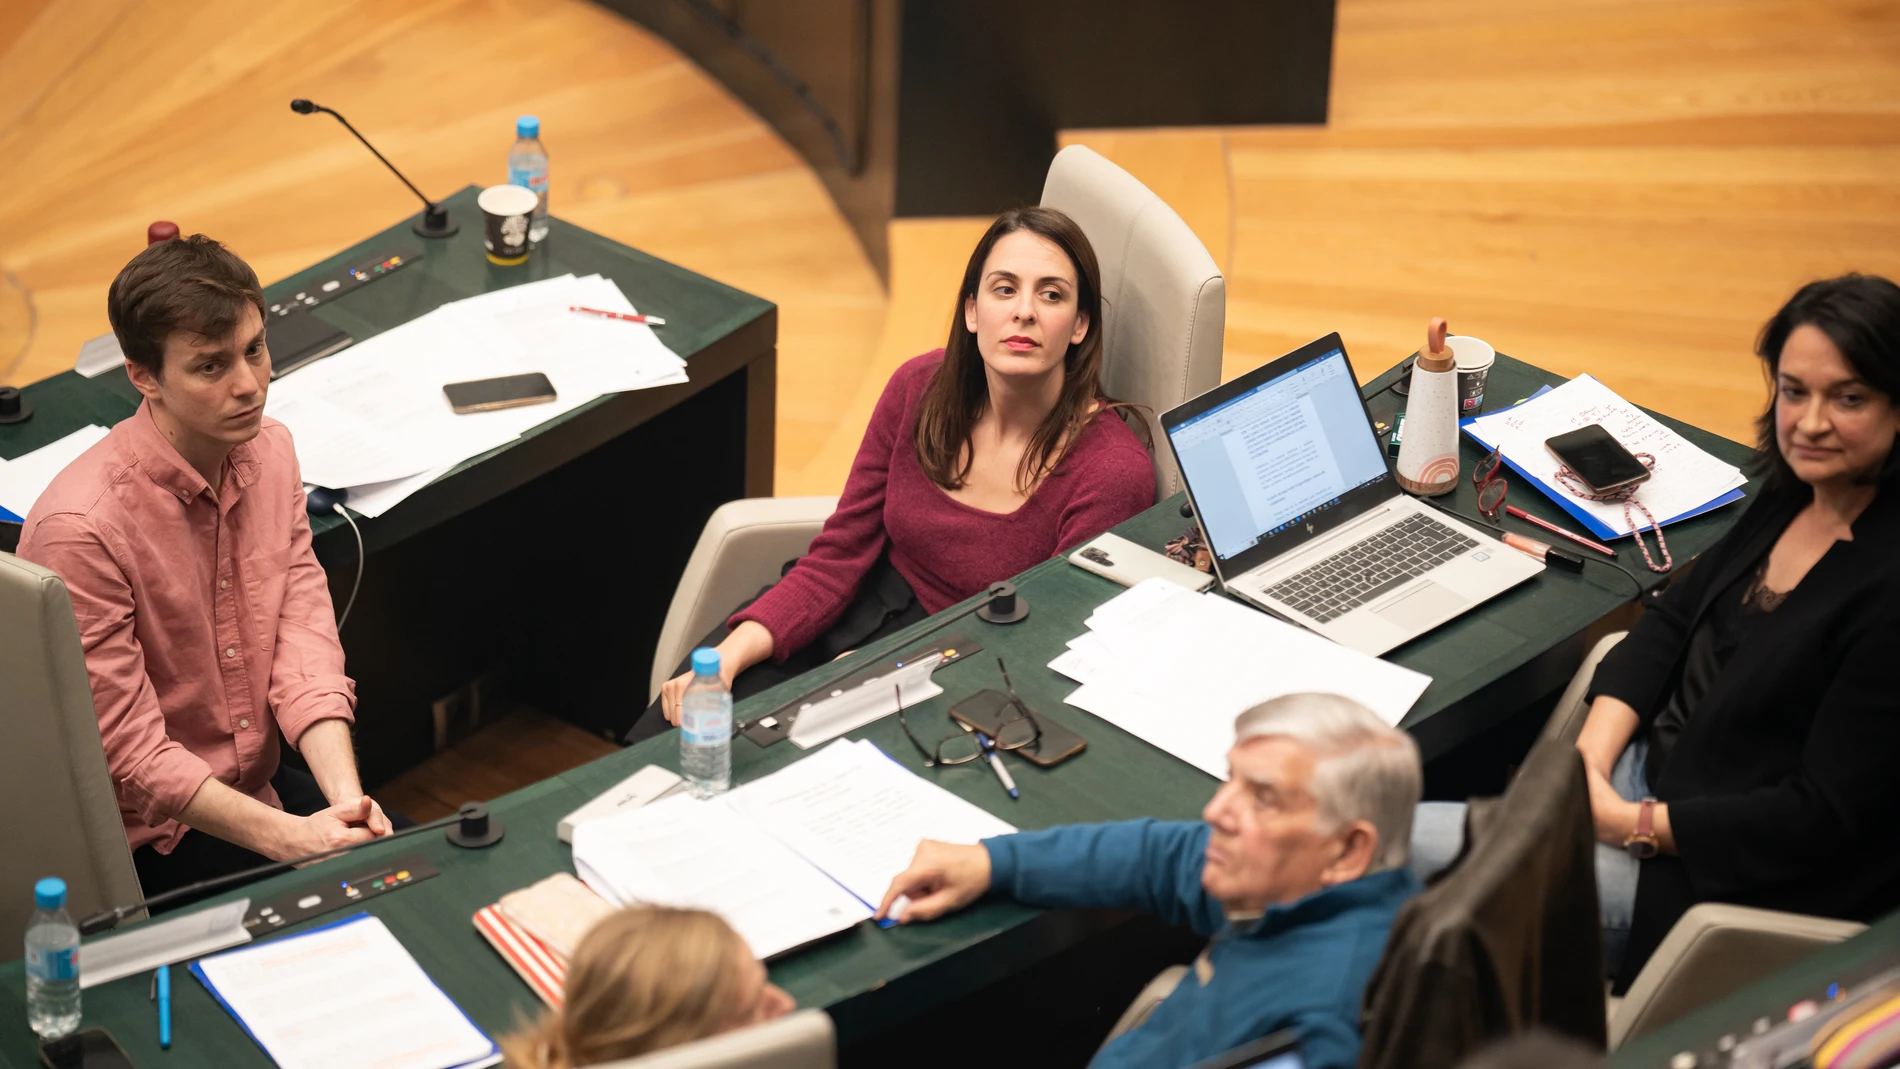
point(205, 617)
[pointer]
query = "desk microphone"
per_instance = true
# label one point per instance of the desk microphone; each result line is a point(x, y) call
point(474, 828)
point(435, 221)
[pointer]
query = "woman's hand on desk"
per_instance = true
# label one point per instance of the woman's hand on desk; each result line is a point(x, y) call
point(747, 645)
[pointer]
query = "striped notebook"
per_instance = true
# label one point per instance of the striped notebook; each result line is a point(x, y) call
point(530, 957)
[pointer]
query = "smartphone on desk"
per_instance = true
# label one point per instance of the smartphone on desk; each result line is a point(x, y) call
point(988, 710)
point(508, 391)
point(92, 1049)
point(1598, 458)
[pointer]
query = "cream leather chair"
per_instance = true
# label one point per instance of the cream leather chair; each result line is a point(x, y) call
point(1714, 951)
point(801, 1040)
point(1164, 309)
point(1164, 302)
point(53, 776)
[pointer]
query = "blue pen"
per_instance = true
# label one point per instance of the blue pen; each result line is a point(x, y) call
point(164, 1007)
point(996, 762)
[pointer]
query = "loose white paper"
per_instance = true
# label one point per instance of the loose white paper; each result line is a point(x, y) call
point(24, 478)
point(856, 814)
point(348, 994)
point(1144, 667)
point(682, 851)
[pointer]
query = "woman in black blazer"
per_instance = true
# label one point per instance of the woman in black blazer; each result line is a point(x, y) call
point(1759, 696)
point(1743, 742)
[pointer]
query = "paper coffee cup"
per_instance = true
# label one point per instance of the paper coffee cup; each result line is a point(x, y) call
point(506, 213)
point(1474, 358)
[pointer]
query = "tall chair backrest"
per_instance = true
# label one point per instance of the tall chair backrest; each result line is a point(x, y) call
point(1507, 938)
point(1164, 301)
point(801, 1040)
point(63, 816)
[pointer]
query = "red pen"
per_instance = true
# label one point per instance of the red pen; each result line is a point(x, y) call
point(1556, 530)
point(651, 321)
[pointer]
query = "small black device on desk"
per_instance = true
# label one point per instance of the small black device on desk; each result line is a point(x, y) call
point(987, 710)
point(329, 289)
point(296, 340)
point(316, 899)
point(508, 391)
point(92, 1049)
point(1597, 458)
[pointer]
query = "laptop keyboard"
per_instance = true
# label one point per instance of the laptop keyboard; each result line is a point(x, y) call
point(1370, 568)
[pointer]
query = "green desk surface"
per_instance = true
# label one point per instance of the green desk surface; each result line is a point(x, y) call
point(1873, 951)
point(870, 978)
point(716, 328)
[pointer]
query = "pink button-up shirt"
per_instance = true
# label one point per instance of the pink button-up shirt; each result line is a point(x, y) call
point(206, 621)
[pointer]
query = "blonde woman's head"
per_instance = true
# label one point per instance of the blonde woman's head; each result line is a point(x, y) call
point(645, 979)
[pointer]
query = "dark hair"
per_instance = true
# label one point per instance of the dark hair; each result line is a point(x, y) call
point(1860, 314)
point(1538, 1048)
point(191, 284)
point(959, 392)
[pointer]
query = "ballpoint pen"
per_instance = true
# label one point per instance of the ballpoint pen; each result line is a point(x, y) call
point(651, 321)
point(164, 995)
point(1556, 530)
point(996, 762)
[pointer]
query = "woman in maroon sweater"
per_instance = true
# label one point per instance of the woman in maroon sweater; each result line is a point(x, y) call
point(982, 459)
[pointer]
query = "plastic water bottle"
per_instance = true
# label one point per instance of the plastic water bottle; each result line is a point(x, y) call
point(706, 728)
point(52, 963)
point(528, 166)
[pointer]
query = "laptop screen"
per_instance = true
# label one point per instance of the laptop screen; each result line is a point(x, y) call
point(1268, 458)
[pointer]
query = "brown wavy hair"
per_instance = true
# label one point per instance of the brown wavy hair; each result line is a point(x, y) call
point(643, 979)
point(959, 393)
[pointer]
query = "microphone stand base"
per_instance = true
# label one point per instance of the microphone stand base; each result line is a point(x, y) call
point(440, 226)
point(989, 615)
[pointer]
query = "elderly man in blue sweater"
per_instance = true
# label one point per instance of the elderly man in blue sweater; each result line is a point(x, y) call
point(1295, 871)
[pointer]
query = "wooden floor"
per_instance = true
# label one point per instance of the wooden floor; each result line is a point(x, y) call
point(114, 113)
point(1628, 187)
point(522, 748)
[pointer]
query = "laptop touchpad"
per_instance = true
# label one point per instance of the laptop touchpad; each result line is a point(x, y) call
point(1425, 607)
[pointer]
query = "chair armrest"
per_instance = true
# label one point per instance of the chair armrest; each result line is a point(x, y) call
point(1713, 951)
point(741, 549)
point(1566, 720)
point(801, 1040)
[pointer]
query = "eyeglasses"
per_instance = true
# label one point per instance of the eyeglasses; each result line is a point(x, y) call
point(1017, 730)
point(1489, 479)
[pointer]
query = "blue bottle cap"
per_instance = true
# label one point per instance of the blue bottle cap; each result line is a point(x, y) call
point(527, 126)
point(50, 893)
point(705, 661)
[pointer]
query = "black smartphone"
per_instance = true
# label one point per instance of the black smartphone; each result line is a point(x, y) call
point(1597, 458)
point(986, 711)
point(299, 338)
point(92, 1049)
point(509, 391)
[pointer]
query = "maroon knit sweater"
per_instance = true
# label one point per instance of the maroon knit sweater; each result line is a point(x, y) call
point(945, 549)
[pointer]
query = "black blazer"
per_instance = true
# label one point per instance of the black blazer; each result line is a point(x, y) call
point(1784, 785)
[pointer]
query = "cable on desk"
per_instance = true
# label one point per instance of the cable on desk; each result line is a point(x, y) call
point(350, 604)
point(1591, 558)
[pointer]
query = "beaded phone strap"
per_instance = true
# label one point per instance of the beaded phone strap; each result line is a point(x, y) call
point(1628, 497)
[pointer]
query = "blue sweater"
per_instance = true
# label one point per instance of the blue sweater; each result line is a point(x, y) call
point(1302, 965)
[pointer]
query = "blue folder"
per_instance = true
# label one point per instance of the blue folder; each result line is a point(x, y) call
point(1571, 504)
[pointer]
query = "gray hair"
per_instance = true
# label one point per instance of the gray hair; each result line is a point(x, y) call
point(1363, 768)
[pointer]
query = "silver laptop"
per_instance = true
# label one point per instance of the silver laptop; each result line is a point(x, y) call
point(1305, 519)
